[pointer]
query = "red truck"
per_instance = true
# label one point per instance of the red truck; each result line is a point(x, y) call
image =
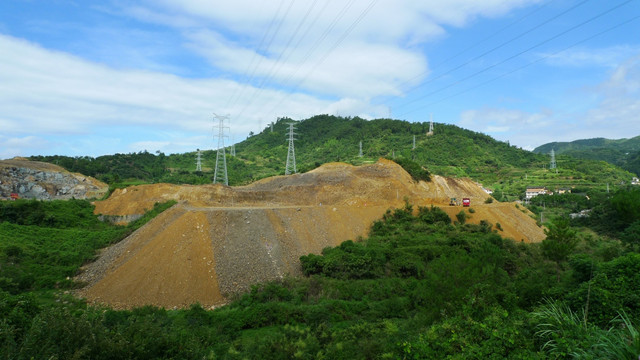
point(466, 202)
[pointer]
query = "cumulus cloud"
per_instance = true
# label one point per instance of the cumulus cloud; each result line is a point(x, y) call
point(56, 93)
point(18, 146)
point(333, 59)
point(335, 48)
point(613, 114)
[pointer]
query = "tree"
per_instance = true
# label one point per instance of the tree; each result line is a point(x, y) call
point(560, 242)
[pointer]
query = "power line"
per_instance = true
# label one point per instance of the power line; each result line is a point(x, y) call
point(524, 66)
point(312, 49)
point(476, 44)
point(517, 54)
point(277, 63)
point(478, 57)
point(326, 55)
point(256, 54)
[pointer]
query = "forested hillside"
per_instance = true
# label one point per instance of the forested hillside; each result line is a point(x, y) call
point(450, 151)
point(420, 286)
point(624, 153)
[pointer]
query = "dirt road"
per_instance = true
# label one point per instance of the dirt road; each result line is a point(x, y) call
point(220, 240)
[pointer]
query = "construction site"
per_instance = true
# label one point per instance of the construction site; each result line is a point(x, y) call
point(219, 240)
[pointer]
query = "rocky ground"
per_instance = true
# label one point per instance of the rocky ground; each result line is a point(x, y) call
point(43, 181)
point(220, 240)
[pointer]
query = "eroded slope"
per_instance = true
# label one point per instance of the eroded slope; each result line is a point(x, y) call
point(220, 240)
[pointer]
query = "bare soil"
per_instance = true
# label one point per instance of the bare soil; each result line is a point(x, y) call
point(220, 240)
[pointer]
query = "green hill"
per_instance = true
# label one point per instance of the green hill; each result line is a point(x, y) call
point(450, 151)
point(624, 153)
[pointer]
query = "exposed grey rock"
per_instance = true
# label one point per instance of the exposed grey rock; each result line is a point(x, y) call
point(46, 182)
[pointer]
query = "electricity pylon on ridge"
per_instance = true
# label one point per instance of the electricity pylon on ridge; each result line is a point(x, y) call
point(220, 173)
point(360, 153)
point(199, 161)
point(291, 153)
point(552, 165)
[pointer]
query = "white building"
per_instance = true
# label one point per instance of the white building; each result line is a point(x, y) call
point(535, 191)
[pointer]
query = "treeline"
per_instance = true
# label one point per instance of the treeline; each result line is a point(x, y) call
point(624, 153)
point(451, 151)
point(420, 286)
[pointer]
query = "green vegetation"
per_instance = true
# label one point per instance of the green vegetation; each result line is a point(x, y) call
point(418, 287)
point(624, 153)
point(44, 243)
point(451, 151)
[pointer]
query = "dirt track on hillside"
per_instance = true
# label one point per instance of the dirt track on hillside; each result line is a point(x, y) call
point(220, 240)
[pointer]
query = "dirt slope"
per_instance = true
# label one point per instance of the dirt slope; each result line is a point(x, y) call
point(220, 240)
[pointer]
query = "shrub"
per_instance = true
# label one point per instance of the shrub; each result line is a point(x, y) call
point(462, 217)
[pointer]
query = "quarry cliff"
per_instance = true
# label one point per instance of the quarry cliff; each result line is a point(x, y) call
point(44, 181)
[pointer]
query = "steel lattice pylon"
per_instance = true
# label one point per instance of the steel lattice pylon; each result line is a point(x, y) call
point(291, 154)
point(220, 174)
point(199, 161)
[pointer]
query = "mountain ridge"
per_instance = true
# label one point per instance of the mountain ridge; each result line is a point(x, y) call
point(624, 153)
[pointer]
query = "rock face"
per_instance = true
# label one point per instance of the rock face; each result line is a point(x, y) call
point(43, 181)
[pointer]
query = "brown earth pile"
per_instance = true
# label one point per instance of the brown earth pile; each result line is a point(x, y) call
point(220, 240)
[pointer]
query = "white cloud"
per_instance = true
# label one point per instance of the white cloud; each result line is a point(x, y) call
point(300, 50)
point(610, 57)
point(56, 93)
point(518, 127)
point(613, 115)
point(18, 146)
point(48, 94)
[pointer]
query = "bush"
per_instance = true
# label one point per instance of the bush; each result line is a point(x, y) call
point(416, 171)
point(462, 217)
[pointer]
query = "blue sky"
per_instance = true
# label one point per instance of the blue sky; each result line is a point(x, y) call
point(99, 77)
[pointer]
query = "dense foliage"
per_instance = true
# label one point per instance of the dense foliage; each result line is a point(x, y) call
point(624, 153)
point(43, 243)
point(420, 286)
point(450, 151)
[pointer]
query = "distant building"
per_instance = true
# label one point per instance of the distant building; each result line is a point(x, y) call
point(488, 191)
point(635, 181)
point(581, 214)
point(563, 191)
point(535, 191)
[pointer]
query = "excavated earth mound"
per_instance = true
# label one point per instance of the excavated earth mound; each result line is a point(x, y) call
point(220, 240)
point(44, 181)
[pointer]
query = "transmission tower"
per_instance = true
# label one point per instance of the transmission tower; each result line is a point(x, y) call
point(291, 154)
point(552, 165)
point(232, 148)
point(414, 143)
point(199, 161)
point(360, 153)
point(220, 174)
point(272, 126)
point(430, 132)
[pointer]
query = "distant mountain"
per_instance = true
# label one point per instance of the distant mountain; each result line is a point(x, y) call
point(450, 151)
point(624, 153)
